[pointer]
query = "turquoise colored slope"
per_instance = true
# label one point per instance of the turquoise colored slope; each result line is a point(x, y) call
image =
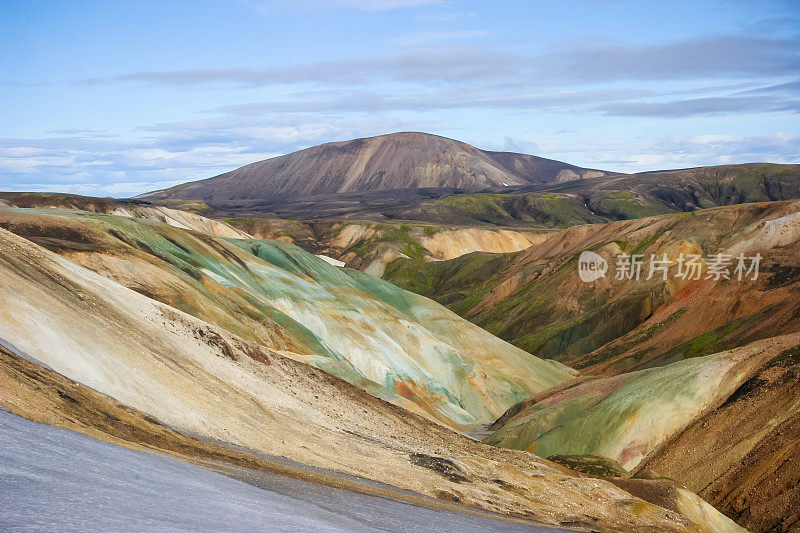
point(407, 343)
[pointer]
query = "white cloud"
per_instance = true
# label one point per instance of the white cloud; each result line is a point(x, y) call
point(664, 153)
point(101, 189)
point(21, 151)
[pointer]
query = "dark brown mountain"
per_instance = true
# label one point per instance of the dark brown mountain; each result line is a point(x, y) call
point(394, 161)
point(602, 199)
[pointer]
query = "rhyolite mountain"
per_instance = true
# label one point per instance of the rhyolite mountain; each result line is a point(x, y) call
point(406, 160)
point(151, 330)
point(695, 380)
point(144, 326)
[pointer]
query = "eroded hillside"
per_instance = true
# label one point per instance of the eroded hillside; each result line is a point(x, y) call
point(536, 300)
point(395, 344)
point(83, 351)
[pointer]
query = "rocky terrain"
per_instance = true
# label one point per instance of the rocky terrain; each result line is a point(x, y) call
point(213, 355)
point(536, 300)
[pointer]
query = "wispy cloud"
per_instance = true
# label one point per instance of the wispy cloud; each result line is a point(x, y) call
point(106, 187)
point(82, 132)
point(701, 106)
point(387, 5)
point(790, 88)
point(729, 69)
point(453, 65)
point(698, 58)
point(704, 58)
point(444, 16)
point(473, 96)
point(665, 152)
point(266, 7)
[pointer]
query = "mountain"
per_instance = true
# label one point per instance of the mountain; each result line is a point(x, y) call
point(724, 425)
point(535, 299)
point(547, 205)
point(602, 199)
point(396, 345)
point(695, 380)
point(394, 161)
point(224, 353)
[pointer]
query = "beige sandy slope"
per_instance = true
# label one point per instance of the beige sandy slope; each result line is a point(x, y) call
point(181, 219)
point(455, 243)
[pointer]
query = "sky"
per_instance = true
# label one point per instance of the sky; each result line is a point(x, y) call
point(118, 98)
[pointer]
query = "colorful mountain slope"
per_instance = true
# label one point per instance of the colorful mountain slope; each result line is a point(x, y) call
point(397, 345)
point(742, 456)
point(363, 245)
point(101, 357)
point(536, 300)
point(628, 416)
point(293, 305)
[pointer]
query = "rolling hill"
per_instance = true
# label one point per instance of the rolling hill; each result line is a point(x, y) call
point(395, 344)
point(691, 379)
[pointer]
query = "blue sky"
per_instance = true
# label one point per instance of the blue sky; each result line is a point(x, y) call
point(117, 98)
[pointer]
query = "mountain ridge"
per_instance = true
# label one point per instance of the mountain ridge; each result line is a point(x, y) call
point(403, 160)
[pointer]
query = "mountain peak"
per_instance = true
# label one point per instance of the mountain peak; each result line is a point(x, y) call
point(402, 160)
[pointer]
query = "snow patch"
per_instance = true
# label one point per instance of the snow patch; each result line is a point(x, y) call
point(331, 260)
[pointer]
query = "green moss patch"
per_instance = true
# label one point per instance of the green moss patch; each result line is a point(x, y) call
point(592, 465)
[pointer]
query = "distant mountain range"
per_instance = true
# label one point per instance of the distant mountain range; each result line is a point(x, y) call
point(423, 177)
point(396, 161)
